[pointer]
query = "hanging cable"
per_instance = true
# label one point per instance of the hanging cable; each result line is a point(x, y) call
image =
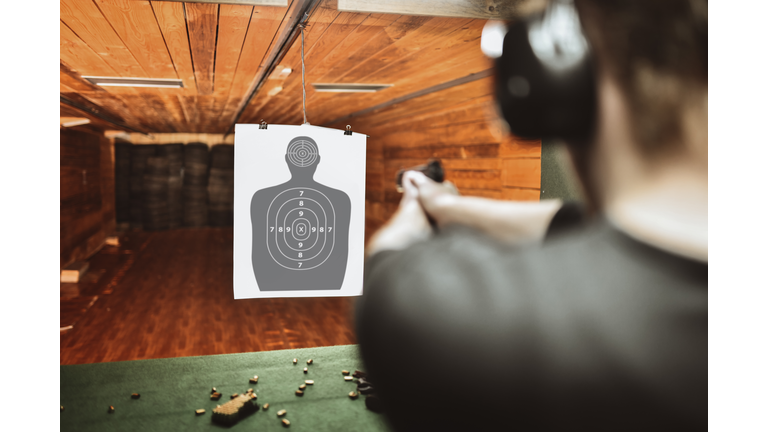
point(303, 85)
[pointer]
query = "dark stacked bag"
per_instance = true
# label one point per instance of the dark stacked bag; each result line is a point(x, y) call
point(139, 156)
point(123, 182)
point(221, 185)
point(160, 187)
point(195, 185)
point(155, 213)
point(175, 155)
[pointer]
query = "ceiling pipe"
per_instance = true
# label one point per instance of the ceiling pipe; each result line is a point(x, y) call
point(304, 11)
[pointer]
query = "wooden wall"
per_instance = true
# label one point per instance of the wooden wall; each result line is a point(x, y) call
point(87, 194)
point(458, 125)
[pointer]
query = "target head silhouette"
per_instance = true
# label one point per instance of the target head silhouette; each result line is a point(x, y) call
point(302, 152)
point(300, 228)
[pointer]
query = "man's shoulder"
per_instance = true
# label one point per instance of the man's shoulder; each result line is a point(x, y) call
point(462, 260)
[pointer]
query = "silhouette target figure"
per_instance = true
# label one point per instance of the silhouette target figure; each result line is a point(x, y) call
point(300, 228)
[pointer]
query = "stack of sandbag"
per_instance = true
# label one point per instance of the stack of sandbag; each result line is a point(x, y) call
point(221, 185)
point(174, 153)
point(195, 185)
point(123, 182)
point(155, 213)
point(139, 156)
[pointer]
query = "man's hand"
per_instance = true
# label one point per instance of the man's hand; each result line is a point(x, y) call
point(436, 198)
point(514, 222)
point(407, 226)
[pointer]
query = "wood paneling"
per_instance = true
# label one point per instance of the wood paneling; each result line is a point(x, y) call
point(87, 194)
point(457, 125)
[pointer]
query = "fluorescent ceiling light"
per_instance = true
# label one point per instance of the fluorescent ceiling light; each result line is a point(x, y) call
point(281, 72)
point(134, 82)
point(71, 122)
point(350, 88)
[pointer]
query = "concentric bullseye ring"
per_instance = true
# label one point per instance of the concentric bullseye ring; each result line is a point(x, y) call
point(300, 228)
point(302, 152)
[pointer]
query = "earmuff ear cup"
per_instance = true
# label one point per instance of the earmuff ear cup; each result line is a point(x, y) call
point(541, 101)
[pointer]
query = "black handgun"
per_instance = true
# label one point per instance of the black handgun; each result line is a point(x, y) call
point(432, 169)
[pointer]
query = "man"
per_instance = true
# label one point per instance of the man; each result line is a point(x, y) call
point(481, 326)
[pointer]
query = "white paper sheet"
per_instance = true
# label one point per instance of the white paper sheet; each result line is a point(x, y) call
point(299, 212)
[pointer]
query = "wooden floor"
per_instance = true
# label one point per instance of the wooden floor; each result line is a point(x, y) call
point(169, 294)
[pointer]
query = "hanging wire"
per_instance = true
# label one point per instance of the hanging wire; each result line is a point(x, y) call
point(303, 85)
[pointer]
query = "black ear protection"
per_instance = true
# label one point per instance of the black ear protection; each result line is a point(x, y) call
point(545, 78)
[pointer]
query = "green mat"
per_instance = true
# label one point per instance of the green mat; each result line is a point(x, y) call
point(172, 389)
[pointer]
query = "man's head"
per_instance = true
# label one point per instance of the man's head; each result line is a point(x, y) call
point(656, 51)
point(651, 68)
point(302, 157)
point(647, 92)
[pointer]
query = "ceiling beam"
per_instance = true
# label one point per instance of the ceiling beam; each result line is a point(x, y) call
point(90, 112)
point(483, 9)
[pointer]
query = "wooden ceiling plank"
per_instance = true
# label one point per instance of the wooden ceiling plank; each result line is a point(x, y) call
point(398, 29)
point(431, 31)
point(320, 45)
point(408, 45)
point(457, 46)
point(135, 23)
point(262, 29)
point(173, 26)
point(421, 64)
point(202, 20)
point(320, 13)
point(73, 51)
point(426, 106)
point(208, 107)
point(191, 110)
point(321, 19)
point(367, 46)
point(320, 39)
point(80, 56)
point(329, 105)
point(87, 21)
point(233, 25)
point(368, 30)
point(438, 111)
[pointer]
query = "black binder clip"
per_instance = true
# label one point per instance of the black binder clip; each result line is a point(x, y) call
point(263, 125)
point(348, 131)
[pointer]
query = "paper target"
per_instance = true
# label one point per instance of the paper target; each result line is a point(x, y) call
point(300, 228)
point(299, 212)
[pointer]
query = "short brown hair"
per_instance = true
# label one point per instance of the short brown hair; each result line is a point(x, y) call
point(657, 52)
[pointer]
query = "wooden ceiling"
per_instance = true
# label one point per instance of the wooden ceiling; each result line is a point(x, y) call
point(225, 53)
